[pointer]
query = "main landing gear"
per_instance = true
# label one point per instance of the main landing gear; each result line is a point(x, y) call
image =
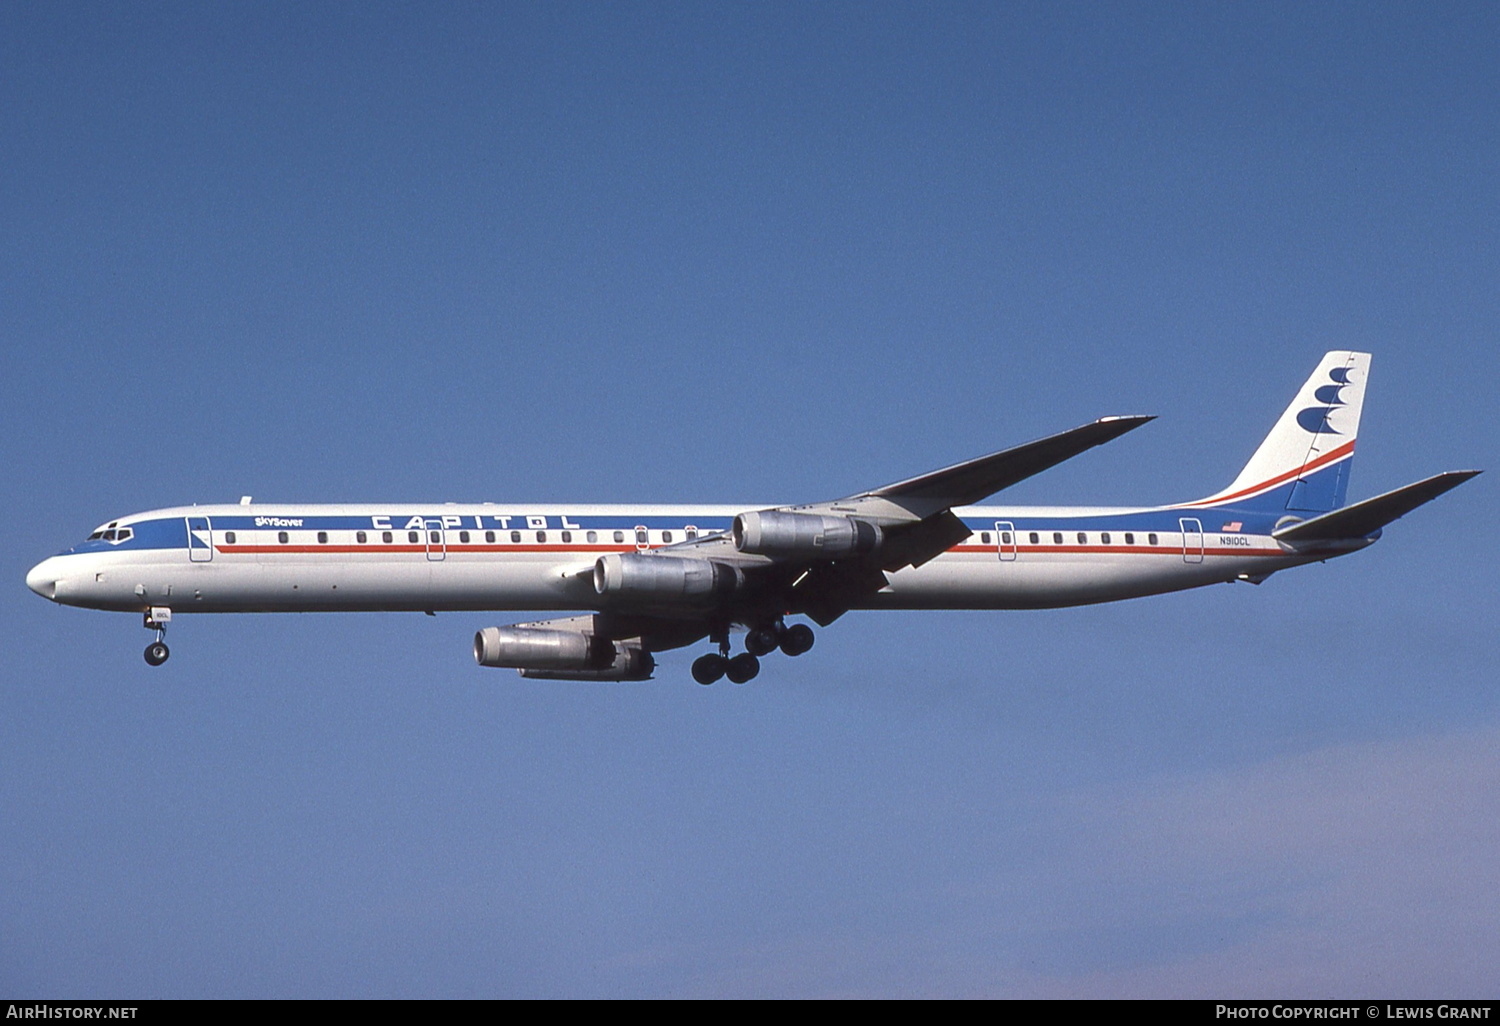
point(157, 618)
point(793, 641)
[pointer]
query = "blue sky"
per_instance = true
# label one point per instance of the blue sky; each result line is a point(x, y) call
point(758, 253)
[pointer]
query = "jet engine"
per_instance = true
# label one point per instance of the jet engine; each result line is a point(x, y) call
point(561, 655)
point(804, 536)
point(665, 580)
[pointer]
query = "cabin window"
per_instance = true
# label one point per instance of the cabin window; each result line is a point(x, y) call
point(666, 537)
point(322, 537)
point(640, 536)
point(411, 536)
point(489, 536)
point(619, 537)
point(984, 537)
point(1104, 538)
point(541, 536)
point(386, 537)
point(1005, 537)
point(361, 537)
point(1151, 539)
point(592, 537)
point(567, 536)
point(690, 532)
point(281, 537)
point(1035, 538)
point(434, 537)
point(229, 537)
point(1083, 539)
point(463, 536)
point(515, 537)
point(1129, 538)
point(1056, 537)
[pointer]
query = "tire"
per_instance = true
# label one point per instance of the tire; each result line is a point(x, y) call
point(798, 639)
point(156, 653)
point(742, 668)
point(761, 642)
point(709, 668)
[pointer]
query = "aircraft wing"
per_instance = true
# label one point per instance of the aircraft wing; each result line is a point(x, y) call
point(964, 484)
point(914, 515)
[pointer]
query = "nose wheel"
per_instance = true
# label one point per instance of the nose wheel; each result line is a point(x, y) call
point(157, 618)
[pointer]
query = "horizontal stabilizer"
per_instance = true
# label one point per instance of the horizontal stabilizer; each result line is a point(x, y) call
point(964, 484)
point(1365, 518)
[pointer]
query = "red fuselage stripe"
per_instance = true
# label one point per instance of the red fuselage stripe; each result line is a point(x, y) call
point(988, 550)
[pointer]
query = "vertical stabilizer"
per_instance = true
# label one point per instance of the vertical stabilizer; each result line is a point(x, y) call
point(1303, 465)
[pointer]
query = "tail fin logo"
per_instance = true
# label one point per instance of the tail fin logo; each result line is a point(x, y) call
point(1314, 419)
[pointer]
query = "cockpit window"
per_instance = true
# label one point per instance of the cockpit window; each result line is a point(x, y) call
point(112, 535)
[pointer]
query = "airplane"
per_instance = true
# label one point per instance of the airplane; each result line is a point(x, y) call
point(648, 579)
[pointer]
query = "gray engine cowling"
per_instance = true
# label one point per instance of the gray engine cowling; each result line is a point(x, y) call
point(561, 655)
point(631, 663)
point(804, 535)
point(665, 580)
point(534, 648)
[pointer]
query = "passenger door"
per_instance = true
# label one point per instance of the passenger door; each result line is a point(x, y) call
point(1192, 540)
point(200, 539)
point(1005, 540)
point(435, 538)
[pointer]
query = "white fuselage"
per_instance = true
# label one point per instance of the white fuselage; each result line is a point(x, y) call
point(284, 558)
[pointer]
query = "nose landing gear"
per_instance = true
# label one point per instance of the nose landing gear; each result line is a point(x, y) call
point(157, 618)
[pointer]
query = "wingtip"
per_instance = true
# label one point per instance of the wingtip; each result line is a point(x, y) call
point(1130, 419)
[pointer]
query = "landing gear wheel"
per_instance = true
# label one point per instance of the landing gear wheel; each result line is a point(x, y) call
point(742, 668)
point(709, 668)
point(797, 639)
point(761, 642)
point(156, 653)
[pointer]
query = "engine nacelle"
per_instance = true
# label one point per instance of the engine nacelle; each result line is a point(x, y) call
point(536, 648)
point(804, 535)
point(665, 580)
point(561, 655)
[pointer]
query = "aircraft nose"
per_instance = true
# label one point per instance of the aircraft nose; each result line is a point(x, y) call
point(43, 579)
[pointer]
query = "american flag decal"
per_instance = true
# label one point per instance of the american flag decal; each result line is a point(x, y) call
point(1233, 525)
